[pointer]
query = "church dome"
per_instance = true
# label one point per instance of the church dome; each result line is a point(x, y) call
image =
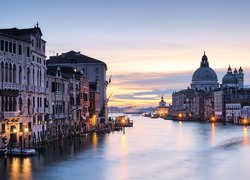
point(204, 72)
point(204, 78)
point(229, 78)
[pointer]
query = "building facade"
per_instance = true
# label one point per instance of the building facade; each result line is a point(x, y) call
point(22, 88)
point(93, 70)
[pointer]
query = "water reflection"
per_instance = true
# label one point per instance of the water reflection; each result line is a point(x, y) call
point(180, 135)
point(124, 163)
point(152, 149)
point(245, 137)
point(213, 133)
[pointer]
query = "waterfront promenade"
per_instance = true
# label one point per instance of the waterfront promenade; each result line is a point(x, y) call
point(152, 149)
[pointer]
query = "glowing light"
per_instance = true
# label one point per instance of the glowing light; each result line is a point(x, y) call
point(213, 118)
point(26, 129)
point(245, 137)
point(180, 115)
point(14, 130)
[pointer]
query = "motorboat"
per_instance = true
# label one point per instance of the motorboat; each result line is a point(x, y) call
point(19, 152)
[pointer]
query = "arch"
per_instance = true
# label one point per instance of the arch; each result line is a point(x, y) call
point(20, 75)
point(10, 72)
point(14, 73)
point(12, 129)
point(2, 72)
point(20, 103)
point(29, 106)
point(6, 72)
point(28, 76)
point(33, 76)
point(37, 79)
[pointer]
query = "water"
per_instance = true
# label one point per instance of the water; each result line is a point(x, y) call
point(152, 149)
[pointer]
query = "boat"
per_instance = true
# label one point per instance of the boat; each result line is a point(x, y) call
point(19, 152)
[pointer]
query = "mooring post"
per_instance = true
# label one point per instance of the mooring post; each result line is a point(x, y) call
point(5, 150)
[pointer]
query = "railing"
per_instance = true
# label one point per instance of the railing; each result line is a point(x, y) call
point(9, 85)
point(59, 116)
point(11, 114)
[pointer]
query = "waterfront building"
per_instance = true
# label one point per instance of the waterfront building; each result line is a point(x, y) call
point(245, 112)
point(233, 79)
point(162, 110)
point(181, 102)
point(94, 108)
point(233, 112)
point(204, 78)
point(94, 70)
point(84, 102)
point(22, 88)
point(67, 107)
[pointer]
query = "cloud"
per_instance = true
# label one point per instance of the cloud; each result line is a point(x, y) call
point(146, 89)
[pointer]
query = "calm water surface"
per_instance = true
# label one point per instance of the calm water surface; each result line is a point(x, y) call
point(152, 149)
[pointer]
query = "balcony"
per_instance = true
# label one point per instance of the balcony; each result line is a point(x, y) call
point(60, 116)
point(11, 114)
point(9, 86)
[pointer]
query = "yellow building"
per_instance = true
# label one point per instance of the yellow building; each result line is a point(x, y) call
point(162, 110)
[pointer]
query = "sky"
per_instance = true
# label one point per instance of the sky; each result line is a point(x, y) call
point(151, 47)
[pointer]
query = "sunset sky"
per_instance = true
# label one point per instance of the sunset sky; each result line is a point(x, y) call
point(151, 47)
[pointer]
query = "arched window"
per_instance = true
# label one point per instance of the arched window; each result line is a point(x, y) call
point(10, 73)
point(2, 72)
point(29, 106)
point(33, 77)
point(10, 104)
point(20, 75)
point(14, 73)
point(37, 79)
point(6, 72)
point(20, 102)
point(28, 76)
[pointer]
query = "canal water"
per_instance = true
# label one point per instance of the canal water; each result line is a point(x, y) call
point(152, 149)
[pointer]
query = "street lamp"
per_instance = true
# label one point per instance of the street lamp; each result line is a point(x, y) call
point(245, 122)
point(212, 119)
point(26, 130)
point(15, 130)
point(180, 115)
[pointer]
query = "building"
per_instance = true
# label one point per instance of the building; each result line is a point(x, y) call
point(94, 108)
point(233, 79)
point(162, 110)
point(22, 88)
point(181, 102)
point(204, 78)
point(84, 102)
point(94, 70)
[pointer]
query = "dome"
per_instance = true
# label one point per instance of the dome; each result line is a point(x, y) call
point(229, 78)
point(204, 78)
point(204, 74)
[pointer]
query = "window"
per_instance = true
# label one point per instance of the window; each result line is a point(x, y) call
point(96, 70)
point(10, 47)
point(2, 45)
point(14, 48)
point(33, 58)
point(21, 127)
point(20, 49)
point(29, 126)
point(28, 52)
point(34, 120)
point(6, 46)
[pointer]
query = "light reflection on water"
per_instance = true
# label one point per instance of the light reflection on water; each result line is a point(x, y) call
point(152, 149)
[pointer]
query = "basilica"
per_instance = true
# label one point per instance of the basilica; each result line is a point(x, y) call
point(206, 98)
